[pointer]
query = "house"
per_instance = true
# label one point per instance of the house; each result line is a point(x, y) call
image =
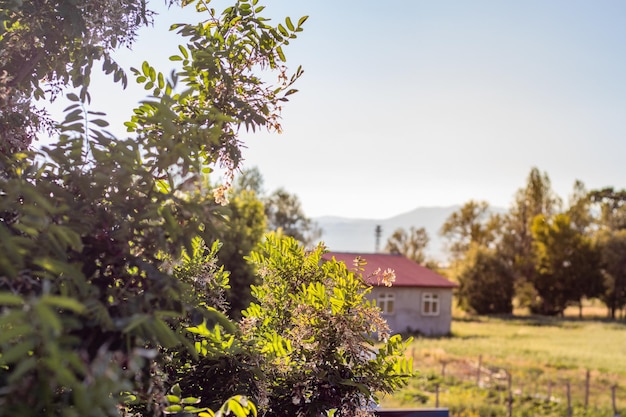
point(419, 300)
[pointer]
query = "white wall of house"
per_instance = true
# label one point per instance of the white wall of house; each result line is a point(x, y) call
point(410, 309)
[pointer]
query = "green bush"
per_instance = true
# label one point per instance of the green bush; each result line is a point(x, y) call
point(110, 304)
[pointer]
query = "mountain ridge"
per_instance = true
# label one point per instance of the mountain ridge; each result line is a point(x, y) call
point(345, 234)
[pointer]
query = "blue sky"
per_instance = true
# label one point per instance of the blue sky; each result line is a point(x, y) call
point(431, 103)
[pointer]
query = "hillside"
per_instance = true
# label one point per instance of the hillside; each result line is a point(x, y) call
point(358, 235)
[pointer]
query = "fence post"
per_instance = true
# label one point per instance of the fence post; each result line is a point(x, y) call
point(510, 399)
point(569, 399)
point(437, 396)
point(549, 398)
point(613, 389)
point(587, 383)
point(480, 364)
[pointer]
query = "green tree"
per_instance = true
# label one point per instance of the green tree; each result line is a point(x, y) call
point(612, 208)
point(535, 198)
point(485, 282)
point(410, 244)
point(48, 45)
point(107, 295)
point(579, 208)
point(284, 212)
point(89, 305)
point(568, 266)
point(325, 345)
point(249, 179)
point(471, 224)
point(613, 250)
point(244, 227)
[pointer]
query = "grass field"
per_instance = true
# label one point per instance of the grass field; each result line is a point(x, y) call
point(470, 369)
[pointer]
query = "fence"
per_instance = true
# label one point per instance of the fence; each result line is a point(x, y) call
point(441, 412)
point(583, 389)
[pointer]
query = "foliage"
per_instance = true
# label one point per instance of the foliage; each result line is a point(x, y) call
point(471, 224)
point(579, 210)
point(222, 91)
point(613, 252)
point(60, 42)
point(307, 346)
point(568, 267)
point(239, 405)
point(410, 244)
point(485, 282)
point(612, 207)
point(250, 179)
point(325, 345)
point(244, 228)
point(535, 198)
point(247, 211)
point(485, 278)
point(284, 212)
point(88, 302)
point(542, 255)
point(107, 293)
point(46, 45)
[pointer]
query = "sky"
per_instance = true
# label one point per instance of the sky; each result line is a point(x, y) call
point(414, 103)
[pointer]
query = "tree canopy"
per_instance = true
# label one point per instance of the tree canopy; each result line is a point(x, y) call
point(556, 257)
point(485, 282)
point(409, 243)
point(47, 46)
point(112, 297)
point(568, 266)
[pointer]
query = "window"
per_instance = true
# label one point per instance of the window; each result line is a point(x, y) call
point(430, 304)
point(386, 302)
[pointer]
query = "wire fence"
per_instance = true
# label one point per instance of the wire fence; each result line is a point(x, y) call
point(572, 388)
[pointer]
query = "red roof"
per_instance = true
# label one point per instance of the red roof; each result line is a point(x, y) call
point(408, 273)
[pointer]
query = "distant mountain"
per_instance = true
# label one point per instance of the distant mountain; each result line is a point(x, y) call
point(342, 234)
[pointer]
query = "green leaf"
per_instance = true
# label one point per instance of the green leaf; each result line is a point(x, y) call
point(173, 409)
point(183, 51)
point(72, 97)
point(17, 352)
point(302, 20)
point(57, 267)
point(48, 318)
point(66, 303)
point(100, 122)
point(164, 334)
point(9, 299)
point(190, 400)
point(22, 368)
point(289, 24)
point(145, 68)
point(280, 53)
point(282, 30)
point(176, 389)
point(173, 399)
point(71, 107)
point(161, 81)
point(136, 320)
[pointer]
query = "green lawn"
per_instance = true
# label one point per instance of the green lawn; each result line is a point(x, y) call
point(541, 354)
point(542, 342)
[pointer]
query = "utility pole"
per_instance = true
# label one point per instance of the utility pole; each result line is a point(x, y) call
point(379, 231)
